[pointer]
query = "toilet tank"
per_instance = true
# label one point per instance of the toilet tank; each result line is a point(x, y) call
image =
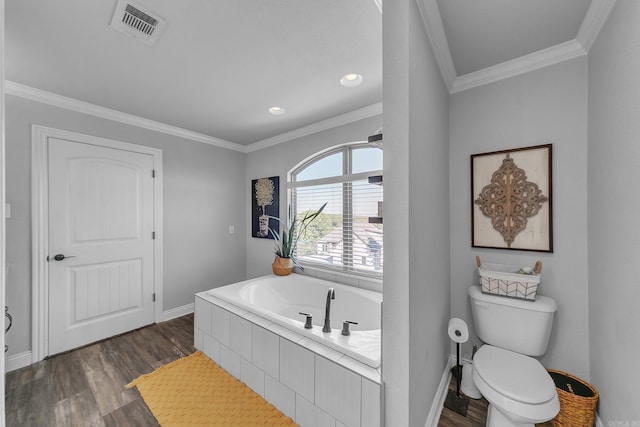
point(512, 324)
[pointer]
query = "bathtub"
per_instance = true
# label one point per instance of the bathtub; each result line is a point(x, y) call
point(281, 299)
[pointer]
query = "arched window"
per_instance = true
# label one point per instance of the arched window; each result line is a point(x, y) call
point(347, 236)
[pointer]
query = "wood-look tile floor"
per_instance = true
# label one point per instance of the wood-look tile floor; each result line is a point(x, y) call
point(476, 413)
point(85, 387)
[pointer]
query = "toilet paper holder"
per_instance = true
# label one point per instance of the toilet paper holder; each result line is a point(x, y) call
point(459, 333)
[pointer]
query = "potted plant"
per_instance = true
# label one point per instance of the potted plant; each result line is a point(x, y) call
point(285, 249)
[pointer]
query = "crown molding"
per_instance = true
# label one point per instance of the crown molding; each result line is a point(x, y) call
point(39, 95)
point(435, 31)
point(594, 20)
point(378, 4)
point(332, 122)
point(543, 58)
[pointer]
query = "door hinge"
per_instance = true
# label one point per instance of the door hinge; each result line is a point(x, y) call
point(153, 235)
point(154, 297)
point(153, 173)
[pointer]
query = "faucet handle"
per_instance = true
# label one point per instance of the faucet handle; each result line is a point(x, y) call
point(307, 323)
point(345, 327)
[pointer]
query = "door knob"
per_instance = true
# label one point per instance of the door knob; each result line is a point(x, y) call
point(60, 257)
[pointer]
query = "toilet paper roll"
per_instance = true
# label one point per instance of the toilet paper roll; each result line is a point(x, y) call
point(468, 386)
point(458, 330)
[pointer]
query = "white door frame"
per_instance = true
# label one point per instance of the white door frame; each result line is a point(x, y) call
point(2, 207)
point(40, 226)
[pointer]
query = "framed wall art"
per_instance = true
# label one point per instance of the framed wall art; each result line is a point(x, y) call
point(511, 199)
point(265, 203)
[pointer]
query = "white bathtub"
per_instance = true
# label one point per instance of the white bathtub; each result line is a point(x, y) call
point(280, 299)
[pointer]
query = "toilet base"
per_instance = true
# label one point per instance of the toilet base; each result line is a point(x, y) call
point(495, 418)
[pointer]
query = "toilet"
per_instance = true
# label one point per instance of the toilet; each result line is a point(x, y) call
point(518, 388)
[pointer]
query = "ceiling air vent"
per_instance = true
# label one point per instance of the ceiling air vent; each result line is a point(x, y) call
point(137, 22)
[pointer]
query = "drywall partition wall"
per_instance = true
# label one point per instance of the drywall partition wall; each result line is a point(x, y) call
point(278, 160)
point(203, 194)
point(614, 202)
point(544, 106)
point(416, 277)
point(395, 308)
point(429, 274)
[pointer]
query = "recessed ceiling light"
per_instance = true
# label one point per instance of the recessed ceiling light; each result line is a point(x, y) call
point(277, 110)
point(351, 79)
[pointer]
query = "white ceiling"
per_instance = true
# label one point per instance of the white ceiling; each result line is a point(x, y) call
point(221, 64)
point(485, 33)
point(215, 70)
point(481, 41)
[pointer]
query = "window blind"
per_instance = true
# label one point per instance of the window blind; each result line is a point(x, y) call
point(347, 236)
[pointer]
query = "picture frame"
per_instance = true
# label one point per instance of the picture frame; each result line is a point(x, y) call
point(511, 199)
point(265, 206)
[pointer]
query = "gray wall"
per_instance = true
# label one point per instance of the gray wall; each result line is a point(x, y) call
point(278, 160)
point(614, 202)
point(540, 107)
point(415, 346)
point(203, 194)
point(429, 259)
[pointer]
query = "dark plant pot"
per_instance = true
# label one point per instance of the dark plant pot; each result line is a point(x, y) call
point(282, 266)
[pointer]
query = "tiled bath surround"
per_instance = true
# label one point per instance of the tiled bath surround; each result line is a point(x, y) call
point(311, 383)
point(370, 284)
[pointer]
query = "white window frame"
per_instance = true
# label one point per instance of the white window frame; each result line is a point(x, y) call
point(346, 178)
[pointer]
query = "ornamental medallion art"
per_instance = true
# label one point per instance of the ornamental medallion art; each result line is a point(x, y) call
point(511, 199)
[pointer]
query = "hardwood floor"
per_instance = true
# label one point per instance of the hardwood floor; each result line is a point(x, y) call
point(85, 387)
point(476, 413)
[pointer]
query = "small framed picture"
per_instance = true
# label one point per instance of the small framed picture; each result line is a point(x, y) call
point(511, 199)
point(265, 206)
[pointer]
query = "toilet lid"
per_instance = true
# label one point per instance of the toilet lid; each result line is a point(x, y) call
point(514, 375)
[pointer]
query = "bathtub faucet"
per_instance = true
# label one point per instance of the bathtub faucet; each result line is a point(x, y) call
point(327, 310)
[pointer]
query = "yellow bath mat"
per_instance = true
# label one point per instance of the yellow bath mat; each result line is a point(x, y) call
point(195, 391)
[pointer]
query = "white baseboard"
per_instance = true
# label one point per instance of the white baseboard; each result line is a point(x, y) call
point(177, 312)
point(24, 359)
point(441, 394)
point(17, 361)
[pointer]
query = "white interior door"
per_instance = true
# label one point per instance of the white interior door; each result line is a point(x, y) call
point(101, 247)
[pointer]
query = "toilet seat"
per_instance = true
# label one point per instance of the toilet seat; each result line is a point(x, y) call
point(515, 383)
point(514, 375)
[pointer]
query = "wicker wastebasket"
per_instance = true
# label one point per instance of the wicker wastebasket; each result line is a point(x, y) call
point(578, 400)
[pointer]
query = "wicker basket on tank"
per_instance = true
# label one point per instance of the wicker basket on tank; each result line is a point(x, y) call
point(578, 400)
point(509, 281)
